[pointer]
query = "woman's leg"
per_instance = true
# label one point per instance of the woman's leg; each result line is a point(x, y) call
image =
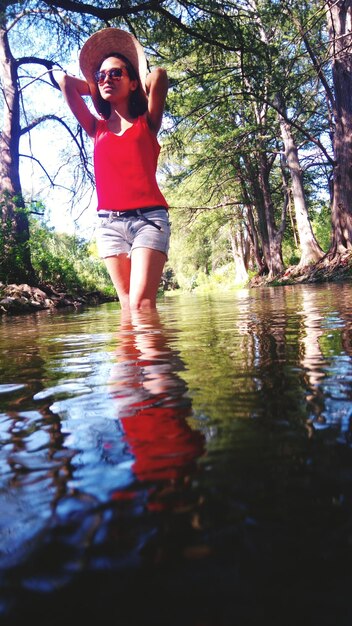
point(119, 268)
point(146, 269)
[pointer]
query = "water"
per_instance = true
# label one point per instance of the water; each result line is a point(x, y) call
point(189, 467)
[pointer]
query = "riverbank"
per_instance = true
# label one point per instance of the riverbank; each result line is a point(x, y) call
point(19, 299)
point(338, 269)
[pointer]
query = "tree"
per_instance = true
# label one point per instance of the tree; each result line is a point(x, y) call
point(339, 16)
point(310, 249)
point(65, 21)
point(14, 221)
point(230, 62)
point(331, 57)
point(273, 71)
point(311, 252)
point(16, 262)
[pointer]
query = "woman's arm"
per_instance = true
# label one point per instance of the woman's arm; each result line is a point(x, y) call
point(73, 89)
point(157, 85)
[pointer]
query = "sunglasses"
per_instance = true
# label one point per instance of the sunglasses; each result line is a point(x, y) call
point(114, 74)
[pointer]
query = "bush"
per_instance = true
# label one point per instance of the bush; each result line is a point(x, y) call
point(66, 262)
point(15, 264)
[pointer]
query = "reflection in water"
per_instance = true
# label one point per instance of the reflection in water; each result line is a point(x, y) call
point(88, 472)
point(152, 404)
point(328, 396)
point(193, 466)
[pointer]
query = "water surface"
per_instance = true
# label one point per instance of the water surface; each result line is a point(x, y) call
point(191, 467)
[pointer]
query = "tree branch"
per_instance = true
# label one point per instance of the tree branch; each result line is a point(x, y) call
point(104, 14)
point(30, 156)
point(317, 66)
point(222, 205)
point(195, 33)
point(37, 61)
point(152, 5)
point(79, 144)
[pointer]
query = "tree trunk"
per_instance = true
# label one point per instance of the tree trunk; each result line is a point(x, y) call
point(15, 261)
point(255, 198)
point(310, 249)
point(253, 235)
point(339, 22)
point(238, 251)
point(275, 261)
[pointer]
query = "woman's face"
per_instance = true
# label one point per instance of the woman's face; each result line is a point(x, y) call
point(113, 87)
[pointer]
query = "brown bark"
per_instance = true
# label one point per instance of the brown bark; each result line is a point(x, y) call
point(255, 198)
point(14, 221)
point(310, 249)
point(253, 235)
point(275, 262)
point(339, 22)
point(9, 138)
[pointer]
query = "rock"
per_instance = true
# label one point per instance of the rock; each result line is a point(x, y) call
point(24, 298)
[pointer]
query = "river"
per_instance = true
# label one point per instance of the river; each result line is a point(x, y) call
point(188, 467)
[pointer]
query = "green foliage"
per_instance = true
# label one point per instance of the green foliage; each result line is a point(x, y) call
point(290, 253)
point(168, 280)
point(222, 279)
point(321, 225)
point(222, 141)
point(67, 262)
point(200, 245)
point(227, 143)
point(14, 249)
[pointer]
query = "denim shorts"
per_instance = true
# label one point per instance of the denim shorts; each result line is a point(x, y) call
point(121, 234)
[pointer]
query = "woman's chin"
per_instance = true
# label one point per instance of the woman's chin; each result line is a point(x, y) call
point(106, 93)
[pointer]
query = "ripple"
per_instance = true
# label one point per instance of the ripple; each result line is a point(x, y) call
point(10, 388)
point(68, 387)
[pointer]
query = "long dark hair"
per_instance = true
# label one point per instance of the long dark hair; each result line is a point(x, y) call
point(137, 104)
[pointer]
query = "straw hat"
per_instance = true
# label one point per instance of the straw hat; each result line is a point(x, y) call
point(103, 42)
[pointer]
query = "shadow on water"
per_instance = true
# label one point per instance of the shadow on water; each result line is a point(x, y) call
point(191, 466)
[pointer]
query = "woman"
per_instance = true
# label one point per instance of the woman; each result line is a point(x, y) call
point(134, 230)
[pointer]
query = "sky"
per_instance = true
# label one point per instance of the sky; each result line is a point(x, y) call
point(50, 144)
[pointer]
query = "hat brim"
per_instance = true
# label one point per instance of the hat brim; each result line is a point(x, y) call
point(103, 42)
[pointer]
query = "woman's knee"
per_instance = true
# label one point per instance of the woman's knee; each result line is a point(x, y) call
point(142, 303)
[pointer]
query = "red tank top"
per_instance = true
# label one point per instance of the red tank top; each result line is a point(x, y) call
point(125, 167)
